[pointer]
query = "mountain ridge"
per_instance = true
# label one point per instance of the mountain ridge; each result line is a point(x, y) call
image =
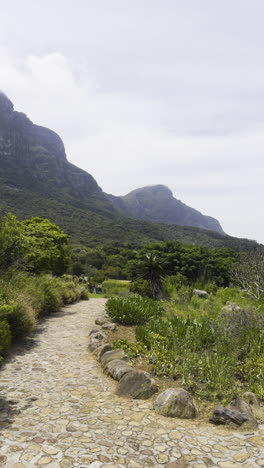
point(36, 179)
point(156, 203)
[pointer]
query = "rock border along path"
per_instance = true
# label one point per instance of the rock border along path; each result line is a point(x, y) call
point(59, 410)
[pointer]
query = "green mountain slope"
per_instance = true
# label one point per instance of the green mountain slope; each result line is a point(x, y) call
point(37, 180)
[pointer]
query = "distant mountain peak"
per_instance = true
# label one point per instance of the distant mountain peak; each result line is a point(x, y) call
point(156, 203)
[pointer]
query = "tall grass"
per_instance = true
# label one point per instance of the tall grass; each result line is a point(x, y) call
point(214, 352)
point(25, 298)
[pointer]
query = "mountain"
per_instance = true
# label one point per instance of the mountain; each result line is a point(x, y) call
point(157, 204)
point(37, 180)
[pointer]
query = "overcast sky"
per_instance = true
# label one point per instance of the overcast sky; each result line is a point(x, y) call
point(149, 92)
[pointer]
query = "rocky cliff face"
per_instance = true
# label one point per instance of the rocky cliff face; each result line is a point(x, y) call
point(33, 158)
point(157, 204)
point(34, 171)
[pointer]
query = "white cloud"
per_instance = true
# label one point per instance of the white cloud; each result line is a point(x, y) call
point(142, 98)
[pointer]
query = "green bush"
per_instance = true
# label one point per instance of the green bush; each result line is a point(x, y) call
point(23, 318)
point(132, 310)
point(141, 287)
point(5, 338)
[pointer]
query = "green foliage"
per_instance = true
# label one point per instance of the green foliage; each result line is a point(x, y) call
point(24, 297)
point(12, 242)
point(116, 288)
point(132, 310)
point(46, 246)
point(5, 338)
point(151, 269)
point(213, 352)
point(141, 287)
point(34, 245)
point(133, 350)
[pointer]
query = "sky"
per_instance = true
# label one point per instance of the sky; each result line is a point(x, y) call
point(148, 92)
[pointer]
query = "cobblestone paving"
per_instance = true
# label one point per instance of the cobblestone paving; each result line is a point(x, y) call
point(58, 410)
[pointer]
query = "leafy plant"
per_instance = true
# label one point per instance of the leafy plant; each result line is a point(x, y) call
point(132, 310)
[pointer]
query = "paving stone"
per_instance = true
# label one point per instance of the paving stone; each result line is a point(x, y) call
point(69, 415)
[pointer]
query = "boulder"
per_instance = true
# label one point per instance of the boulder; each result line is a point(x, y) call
point(97, 338)
point(100, 321)
point(238, 414)
point(223, 415)
point(200, 293)
point(102, 349)
point(175, 403)
point(112, 355)
point(117, 368)
point(136, 384)
point(241, 405)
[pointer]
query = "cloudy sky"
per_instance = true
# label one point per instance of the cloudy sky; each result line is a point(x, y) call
point(148, 92)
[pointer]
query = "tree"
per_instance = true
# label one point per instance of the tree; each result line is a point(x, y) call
point(151, 268)
point(248, 273)
point(45, 246)
point(12, 242)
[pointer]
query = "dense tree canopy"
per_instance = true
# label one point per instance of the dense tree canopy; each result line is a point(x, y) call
point(35, 245)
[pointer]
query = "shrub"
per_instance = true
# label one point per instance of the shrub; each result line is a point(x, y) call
point(132, 310)
point(5, 338)
point(141, 287)
point(23, 318)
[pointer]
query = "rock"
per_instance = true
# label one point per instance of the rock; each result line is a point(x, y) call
point(102, 349)
point(223, 415)
point(240, 405)
point(94, 330)
point(231, 307)
point(100, 321)
point(136, 384)
point(200, 293)
point(109, 326)
point(238, 414)
point(112, 355)
point(97, 338)
point(175, 403)
point(117, 368)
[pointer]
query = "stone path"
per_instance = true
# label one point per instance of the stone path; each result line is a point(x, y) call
point(58, 410)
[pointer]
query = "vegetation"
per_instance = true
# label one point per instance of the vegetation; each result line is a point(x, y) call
point(31, 253)
point(248, 273)
point(155, 260)
point(132, 310)
point(92, 225)
point(214, 351)
point(116, 288)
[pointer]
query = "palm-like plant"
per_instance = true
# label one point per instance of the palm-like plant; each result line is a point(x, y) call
point(151, 268)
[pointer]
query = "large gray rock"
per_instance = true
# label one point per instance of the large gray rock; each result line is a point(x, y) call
point(240, 405)
point(100, 321)
point(175, 403)
point(102, 349)
point(136, 384)
point(238, 414)
point(112, 355)
point(97, 339)
point(200, 293)
point(223, 415)
point(117, 369)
